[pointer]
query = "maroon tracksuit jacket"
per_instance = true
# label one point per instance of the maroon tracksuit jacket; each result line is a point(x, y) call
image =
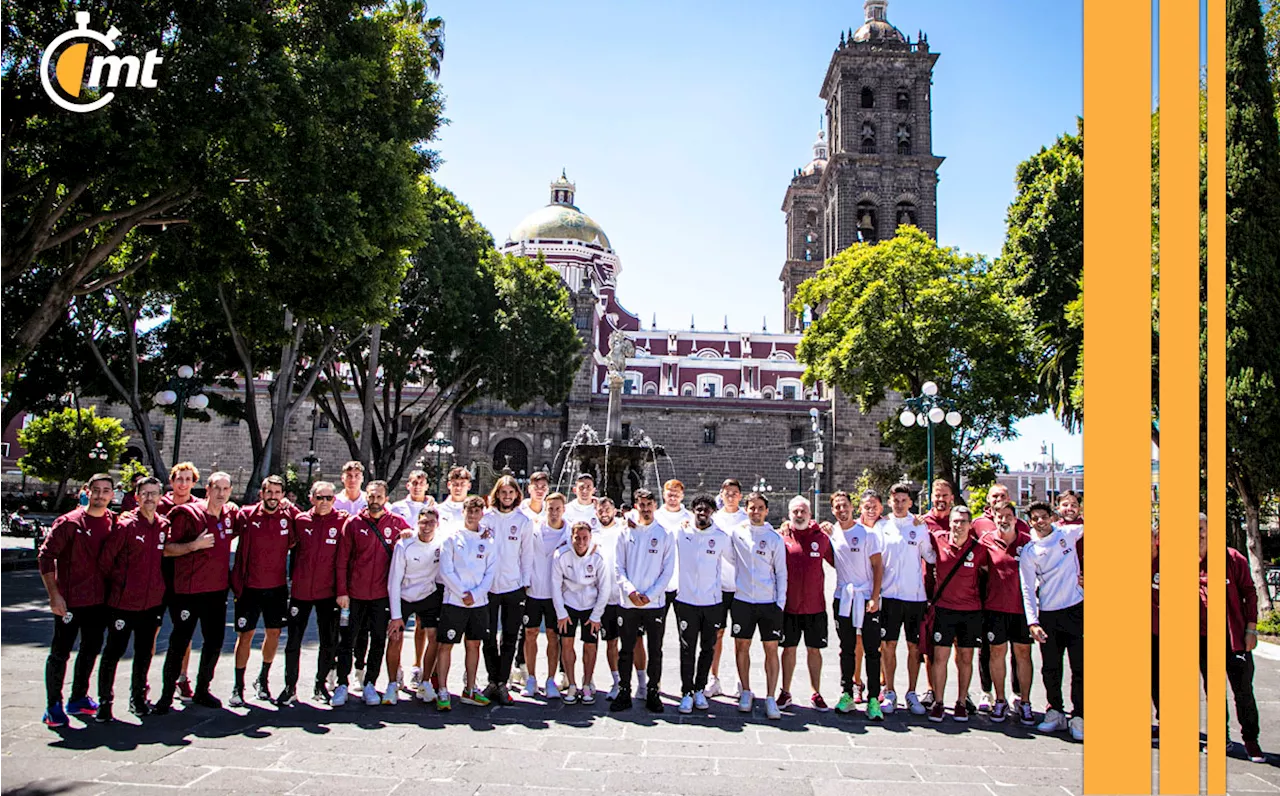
point(130, 561)
point(263, 554)
point(315, 557)
point(364, 554)
point(204, 570)
point(72, 550)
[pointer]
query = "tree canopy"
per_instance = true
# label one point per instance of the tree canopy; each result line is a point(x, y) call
point(59, 445)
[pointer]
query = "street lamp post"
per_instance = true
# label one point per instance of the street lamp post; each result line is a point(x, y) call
point(440, 447)
point(98, 453)
point(763, 486)
point(800, 462)
point(184, 392)
point(928, 410)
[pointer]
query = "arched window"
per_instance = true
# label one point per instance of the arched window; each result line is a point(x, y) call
point(904, 139)
point(903, 100)
point(686, 390)
point(730, 391)
point(868, 97)
point(767, 393)
point(710, 385)
point(650, 388)
point(904, 214)
point(868, 138)
point(811, 217)
point(868, 222)
point(511, 453)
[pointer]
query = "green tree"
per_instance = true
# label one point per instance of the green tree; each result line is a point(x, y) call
point(894, 315)
point(58, 445)
point(1253, 279)
point(466, 320)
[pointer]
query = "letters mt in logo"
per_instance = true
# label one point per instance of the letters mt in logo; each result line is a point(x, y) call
point(70, 67)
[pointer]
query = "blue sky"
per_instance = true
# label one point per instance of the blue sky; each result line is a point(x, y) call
point(681, 124)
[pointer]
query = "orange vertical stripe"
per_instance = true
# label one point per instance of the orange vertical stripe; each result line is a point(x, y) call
point(1217, 393)
point(1117, 365)
point(1179, 395)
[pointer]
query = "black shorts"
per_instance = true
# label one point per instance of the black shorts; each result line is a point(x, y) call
point(963, 628)
point(611, 623)
point(271, 604)
point(427, 609)
point(726, 601)
point(812, 626)
point(1002, 628)
point(899, 615)
point(539, 612)
point(746, 617)
point(581, 619)
point(456, 622)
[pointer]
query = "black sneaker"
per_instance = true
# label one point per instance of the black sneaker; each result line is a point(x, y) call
point(491, 692)
point(653, 700)
point(163, 704)
point(263, 693)
point(139, 706)
point(205, 699)
point(104, 714)
point(969, 706)
point(621, 702)
point(288, 697)
point(321, 694)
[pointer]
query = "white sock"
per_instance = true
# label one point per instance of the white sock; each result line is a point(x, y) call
point(616, 678)
point(642, 680)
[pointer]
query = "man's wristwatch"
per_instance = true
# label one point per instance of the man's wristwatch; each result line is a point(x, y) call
point(1251, 631)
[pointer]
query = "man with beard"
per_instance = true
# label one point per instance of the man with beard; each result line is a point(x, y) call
point(68, 562)
point(856, 549)
point(1004, 622)
point(805, 613)
point(702, 549)
point(412, 589)
point(314, 588)
point(643, 568)
point(958, 610)
point(997, 498)
point(579, 591)
point(364, 564)
point(607, 533)
point(730, 516)
point(260, 580)
point(130, 561)
point(200, 535)
point(760, 565)
point(511, 531)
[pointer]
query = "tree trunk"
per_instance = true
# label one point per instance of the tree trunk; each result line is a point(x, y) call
point(370, 388)
point(1253, 536)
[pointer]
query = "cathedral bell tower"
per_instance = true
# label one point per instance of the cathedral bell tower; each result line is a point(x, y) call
point(802, 205)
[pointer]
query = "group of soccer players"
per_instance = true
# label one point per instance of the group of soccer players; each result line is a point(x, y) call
point(496, 573)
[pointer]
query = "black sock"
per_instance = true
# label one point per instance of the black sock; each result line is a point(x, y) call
point(265, 673)
point(239, 679)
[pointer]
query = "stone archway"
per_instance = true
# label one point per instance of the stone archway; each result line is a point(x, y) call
point(511, 453)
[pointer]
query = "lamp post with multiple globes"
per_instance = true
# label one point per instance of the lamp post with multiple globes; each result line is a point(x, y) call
point(184, 392)
point(928, 410)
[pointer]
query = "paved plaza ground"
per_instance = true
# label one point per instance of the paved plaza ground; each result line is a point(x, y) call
point(532, 747)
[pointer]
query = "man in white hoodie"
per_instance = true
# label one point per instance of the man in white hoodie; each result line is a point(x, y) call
point(583, 507)
point(468, 562)
point(857, 548)
point(579, 589)
point(608, 531)
point(451, 508)
point(672, 515)
point(702, 549)
point(511, 531)
point(643, 568)
point(408, 510)
point(760, 564)
point(412, 589)
point(730, 516)
point(1054, 602)
point(535, 508)
point(546, 537)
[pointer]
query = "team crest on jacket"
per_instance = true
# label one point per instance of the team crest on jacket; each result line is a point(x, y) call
point(119, 624)
point(590, 568)
point(813, 546)
point(711, 543)
point(386, 532)
point(185, 615)
point(911, 535)
point(762, 543)
point(969, 557)
point(333, 532)
point(653, 542)
point(1062, 542)
point(284, 523)
point(481, 548)
point(66, 618)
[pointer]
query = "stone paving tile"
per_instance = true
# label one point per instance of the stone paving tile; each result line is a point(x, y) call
point(1021, 775)
point(529, 773)
point(330, 785)
point(1032, 790)
point(58, 785)
point(242, 758)
point(253, 781)
point(410, 787)
point(831, 754)
point(766, 770)
point(922, 739)
point(1249, 782)
point(584, 743)
point(723, 749)
point(961, 773)
point(823, 787)
point(491, 789)
point(142, 753)
point(19, 769)
point(708, 785)
point(381, 766)
point(880, 772)
point(621, 763)
point(145, 774)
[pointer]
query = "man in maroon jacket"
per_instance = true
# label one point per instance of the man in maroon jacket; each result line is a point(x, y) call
point(315, 587)
point(68, 562)
point(805, 614)
point(260, 582)
point(183, 477)
point(130, 561)
point(1004, 621)
point(1242, 637)
point(200, 535)
point(364, 562)
point(957, 611)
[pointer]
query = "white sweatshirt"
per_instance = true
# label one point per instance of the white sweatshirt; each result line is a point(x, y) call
point(534, 516)
point(727, 521)
point(579, 582)
point(511, 531)
point(543, 543)
point(415, 566)
point(408, 510)
point(760, 558)
point(468, 561)
point(702, 555)
point(672, 521)
point(905, 546)
point(341, 503)
point(645, 562)
point(576, 512)
point(853, 549)
point(1050, 572)
point(606, 540)
point(450, 514)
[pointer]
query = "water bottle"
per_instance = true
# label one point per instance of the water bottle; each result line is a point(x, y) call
point(344, 617)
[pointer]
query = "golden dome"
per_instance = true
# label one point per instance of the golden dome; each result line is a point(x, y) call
point(560, 222)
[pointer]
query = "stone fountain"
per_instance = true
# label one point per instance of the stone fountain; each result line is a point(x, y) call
point(619, 466)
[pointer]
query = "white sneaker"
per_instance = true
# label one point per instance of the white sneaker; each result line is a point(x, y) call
point(530, 688)
point(358, 675)
point(771, 709)
point(888, 702)
point(520, 675)
point(686, 704)
point(913, 704)
point(745, 702)
point(642, 682)
point(563, 682)
point(339, 697)
point(1077, 728)
point(415, 679)
point(700, 701)
point(426, 693)
point(613, 692)
point(371, 695)
point(588, 694)
point(984, 704)
point(552, 691)
point(570, 695)
point(713, 687)
point(1054, 721)
point(392, 695)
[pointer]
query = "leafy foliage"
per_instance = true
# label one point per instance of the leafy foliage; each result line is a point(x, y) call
point(894, 315)
point(58, 445)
